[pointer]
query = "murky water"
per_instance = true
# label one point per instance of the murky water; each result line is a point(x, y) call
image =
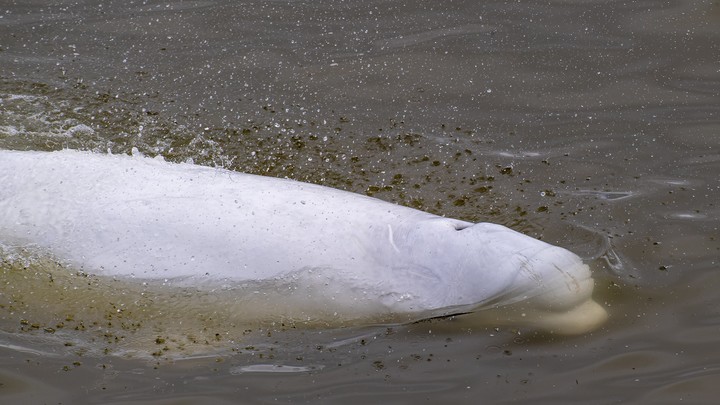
point(593, 125)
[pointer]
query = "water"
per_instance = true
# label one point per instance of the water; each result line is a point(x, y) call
point(593, 125)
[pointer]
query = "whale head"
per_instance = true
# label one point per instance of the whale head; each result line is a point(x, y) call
point(485, 265)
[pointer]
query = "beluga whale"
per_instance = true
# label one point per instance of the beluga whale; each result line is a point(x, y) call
point(313, 252)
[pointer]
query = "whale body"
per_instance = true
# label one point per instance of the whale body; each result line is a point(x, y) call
point(145, 219)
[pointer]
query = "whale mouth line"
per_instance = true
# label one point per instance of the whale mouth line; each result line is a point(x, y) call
point(442, 317)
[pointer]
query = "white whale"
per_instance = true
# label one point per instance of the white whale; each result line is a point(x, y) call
point(146, 219)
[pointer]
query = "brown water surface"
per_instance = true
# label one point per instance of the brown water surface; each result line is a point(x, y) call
point(593, 125)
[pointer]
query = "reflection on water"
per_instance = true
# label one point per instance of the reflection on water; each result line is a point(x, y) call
point(589, 125)
point(274, 368)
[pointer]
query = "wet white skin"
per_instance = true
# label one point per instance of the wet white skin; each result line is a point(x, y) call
point(147, 219)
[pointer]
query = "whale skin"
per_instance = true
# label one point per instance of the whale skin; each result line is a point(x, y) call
point(145, 219)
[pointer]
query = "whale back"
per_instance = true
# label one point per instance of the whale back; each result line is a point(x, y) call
point(128, 216)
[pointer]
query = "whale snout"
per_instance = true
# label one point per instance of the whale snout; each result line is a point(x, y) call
point(563, 300)
point(551, 277)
